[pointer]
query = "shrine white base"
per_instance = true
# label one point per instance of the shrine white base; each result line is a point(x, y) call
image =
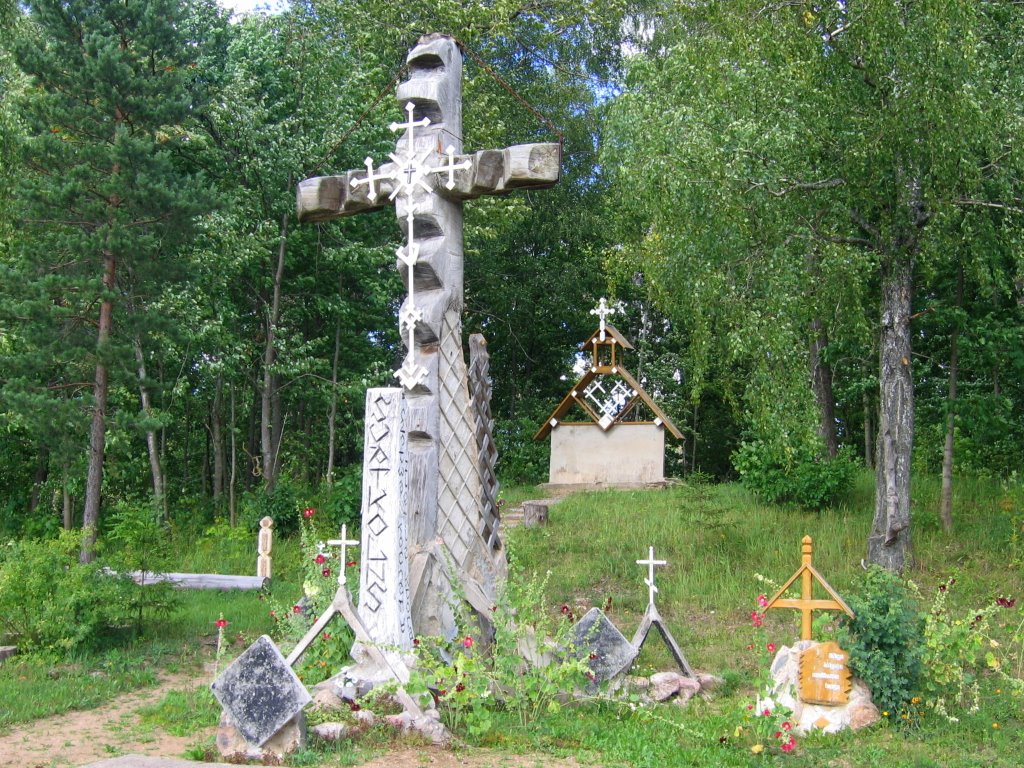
point(627, 454)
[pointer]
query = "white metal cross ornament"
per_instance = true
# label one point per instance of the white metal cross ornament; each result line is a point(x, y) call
point(650, 562)
point(409, 171)
point(342, 542)
point(603, 311)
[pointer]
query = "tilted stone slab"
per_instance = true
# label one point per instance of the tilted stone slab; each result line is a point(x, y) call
point(606, 650)
point(260, 692)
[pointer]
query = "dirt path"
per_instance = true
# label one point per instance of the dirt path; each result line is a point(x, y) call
point(81, 737)
point(78, 738)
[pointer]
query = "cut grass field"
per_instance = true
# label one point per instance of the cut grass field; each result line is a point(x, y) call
point(715, 539)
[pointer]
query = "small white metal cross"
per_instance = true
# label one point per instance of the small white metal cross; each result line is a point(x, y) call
point(602, 311)
point(411, 125)
point(451, 167)
point(650, 562)
point(342, 542)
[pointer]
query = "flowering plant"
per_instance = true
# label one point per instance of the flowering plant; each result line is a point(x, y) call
point(320, 568)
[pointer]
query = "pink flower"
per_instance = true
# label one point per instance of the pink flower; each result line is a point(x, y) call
point(308, 512)
point(467, 642)
point(770, 647)
point(221, 622)
point(762, 600)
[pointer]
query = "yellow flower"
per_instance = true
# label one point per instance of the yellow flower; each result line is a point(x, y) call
point(757, 749)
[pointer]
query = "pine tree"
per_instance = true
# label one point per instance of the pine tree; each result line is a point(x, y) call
point(106, 189)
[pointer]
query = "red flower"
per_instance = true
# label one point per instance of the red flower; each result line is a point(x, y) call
point(308, 512)
point(467, 642)
point(326, 571)
point(320, 559)
point(221, 622)
point(770, 647)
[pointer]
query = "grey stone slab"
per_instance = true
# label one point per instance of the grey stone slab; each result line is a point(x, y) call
point(260, 692)
point(607, 651)
point(145, 761)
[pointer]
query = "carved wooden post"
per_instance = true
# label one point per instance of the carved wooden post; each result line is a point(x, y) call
point(264, 545)
point(428, 179)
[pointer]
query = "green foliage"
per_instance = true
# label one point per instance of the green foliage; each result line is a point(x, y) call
point(885, 638)
point(953, 653)
point(526, 670)
point(318, 571)
point(802, 477)
point(50, 601)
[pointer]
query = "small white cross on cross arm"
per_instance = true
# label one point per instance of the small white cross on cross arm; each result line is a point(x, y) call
point(650, 562)
point(342, 542)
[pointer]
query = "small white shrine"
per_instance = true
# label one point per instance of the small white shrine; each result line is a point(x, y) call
point(607, 430)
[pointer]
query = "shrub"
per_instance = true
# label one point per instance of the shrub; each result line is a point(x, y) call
point(885, 638)
point(800, 477)
point(50, 601)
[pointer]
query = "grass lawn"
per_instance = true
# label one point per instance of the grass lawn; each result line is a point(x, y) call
point(716, 539)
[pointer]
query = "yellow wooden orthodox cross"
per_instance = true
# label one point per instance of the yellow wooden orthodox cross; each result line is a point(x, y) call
point(806, 602)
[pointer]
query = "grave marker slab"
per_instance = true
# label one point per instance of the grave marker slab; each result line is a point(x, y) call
point(824, 676)
point(608, 652)
point(260, 692)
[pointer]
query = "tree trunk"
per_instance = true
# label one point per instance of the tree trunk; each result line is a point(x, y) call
point(889, 542)
point(67, 503)
point(270, 439)
point(217, 440)
point(155, 469)
point(869, 428)
point(333, 414)
point(232, 515)
point(946, 496)
point(98, 429)
point(41, 475)
point(821, 382)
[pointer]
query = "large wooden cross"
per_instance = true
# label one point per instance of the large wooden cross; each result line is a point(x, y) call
point(427, 179)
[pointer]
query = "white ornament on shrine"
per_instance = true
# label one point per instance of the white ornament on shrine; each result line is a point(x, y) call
point(603, 311)
point(650, 562)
